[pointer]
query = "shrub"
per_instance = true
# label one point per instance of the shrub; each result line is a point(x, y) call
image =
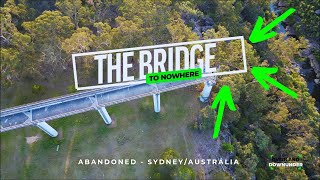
point(183, 173)
point(205, 120)
point(221, 176)
point(227, 147)
point(71, 89)
point(37, 89)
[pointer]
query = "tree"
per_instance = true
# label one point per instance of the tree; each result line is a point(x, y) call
point(165, 171)
point(261, 139)
point(236, 84)
point(9, 62)
point(241, 173)
point(227, 147)
point(74, 9)
point(254, 8)
point(189, 8)
point(48, 24)
point(283, 51)
point(247, 155)
point(221, 176)
point(144, 10)
point(102, 10)
point(255, 101)
point(308, 20)
point(262, 174)
point(179, 31)
point(297, 127)
point(183, 173)
point(279, 114)
point(170, 153)
point(153, 16)
point(221, 32)
point(227, 14)
point(289, 173)
point(206, 119)
point(19, 10)
point(129, 33)
point(17, 51)
point(47, 32)
point(103, 40)
point(229, 55)
point(80, 41)
point(298, 145)
point(147, 10)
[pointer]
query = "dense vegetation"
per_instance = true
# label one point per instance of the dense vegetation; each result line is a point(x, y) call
point(37, 38)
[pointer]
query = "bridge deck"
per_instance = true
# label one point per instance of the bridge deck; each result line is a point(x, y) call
point(45, 110)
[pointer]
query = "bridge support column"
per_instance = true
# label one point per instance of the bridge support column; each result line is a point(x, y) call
point(48, 129)
point(104, 114)
point(156, 102)
point(205, 94)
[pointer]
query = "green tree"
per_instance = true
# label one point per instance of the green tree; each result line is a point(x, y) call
point(227, 14)
point(308, 20)
point(9, 62)
point(261, 139)
point(165, 171)
point(47, 32)
point(170, 153)
point(129, 33)
point(255, 101)
point(206, 119)
point(283, 50)
point(183, 173)
point(241, 173)
point(227, 147)
point(279, 114)
point(71, 8)
point(103, 10)
point(19, 10)
point(297, 127)
point(298, 145)
point(189, 8)
point(289, 173)
point(17, 51)
point(248, 157)
point(103, 39)
point(254, 8)
point(221, 32)
point(221, 176)
point(262, 174)
point(153, 16)
point(179, 31)
point(80, 41)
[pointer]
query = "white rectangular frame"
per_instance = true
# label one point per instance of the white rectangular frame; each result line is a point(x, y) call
point(153, 47)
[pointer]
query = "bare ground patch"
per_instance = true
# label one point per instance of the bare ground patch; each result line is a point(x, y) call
point(33, 139)
point(114, 122)
point(207, 148)
point(66, 167)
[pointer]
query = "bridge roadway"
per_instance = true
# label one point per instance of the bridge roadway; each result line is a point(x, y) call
point(54, 108)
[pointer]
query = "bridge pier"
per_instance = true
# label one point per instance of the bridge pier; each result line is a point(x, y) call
point(205, 94)
point(156, 102)
point(104, 114)
point(47, 129)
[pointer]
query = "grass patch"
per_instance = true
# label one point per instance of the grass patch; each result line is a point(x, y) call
point(140, 133)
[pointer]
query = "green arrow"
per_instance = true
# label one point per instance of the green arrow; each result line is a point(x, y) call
point(261, 75)
point(224, 96)
point(258, 33)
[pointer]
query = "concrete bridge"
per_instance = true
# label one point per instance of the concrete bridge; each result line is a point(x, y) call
point(38, 113)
